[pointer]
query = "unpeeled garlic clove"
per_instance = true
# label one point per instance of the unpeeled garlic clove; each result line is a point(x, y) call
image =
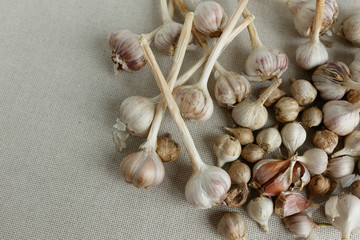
point(300, 176)
point(237, 195)
point(240, 173)
point(210, 18)
point(318, 185)
point(293, 136)
point(355, 188)
point(312, 117)
point(287, 109)
point(167, 149)
point(351, 27)
point(260, 210)
point(300, 224)
point(302, 91)
point(326, 140)
point(341, 167)
point(355, 67)
point(315, 159)
point(351, 145)
point(244, 135)
point(227, 149)
point(290, 203)
point(311, 55)
point(269, 139)
point(274, 96)
point(232, 226)
point(252, 153)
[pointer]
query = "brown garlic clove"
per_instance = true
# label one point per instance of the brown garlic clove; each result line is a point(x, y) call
point(274, 96)
point(287, 109)
point(300, 224)
point(244, 135)
point(302, 91)
point(353, 96)
point(232, 226)
point(252, 153)
point(300, 176)
point(355, 188)
point(319, 185)
point(237, 195)
point(167, 149)
point(239, 172)
point(227, 149)
point(312, 117)
point(326, 140)
point(290, 203)
point(269, 139)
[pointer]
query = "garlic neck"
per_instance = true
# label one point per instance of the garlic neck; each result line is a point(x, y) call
point(165, 12)
point(151, 35)
point(265, 95)
point(351, 84)
point(254, 36)
point(318, 19)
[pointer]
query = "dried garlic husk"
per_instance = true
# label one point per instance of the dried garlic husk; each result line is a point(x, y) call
point(351, 27)
point(274, 96)
point(293, 136)
point(312, 117)
point(167, 149)
point(260, 210)
point(227, 149)
point(269, 139)
point(290, 203)
point(351, 145)
point(318, 185)
point(237, 195)
point(287, 109)
point(232, 226)
point(240, 173)
point(302, 91)
point(252, 153)
point(326, 140)
point(244, 135)
point(355, 188)
point(301, 225)
point(341, 167)
point(355, 67)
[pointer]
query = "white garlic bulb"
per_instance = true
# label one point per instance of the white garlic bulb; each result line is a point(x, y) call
point(302, 91)
point(316, 160)
point(287, 109)
point(333, 80)
point(232, 226)
point(326, 140)
point(351, 27)
point(341, 167)
point(227, 149)
point(341, 117)
point(351, 145)
point(230, 88)
point(293, 136)
point(355, 67)
point(312, 117)
point(343, 213)
point(260, 210)
point(311, 54)
point(301, 225)
point(137, 113)
point(210, 18)
point(269, 139)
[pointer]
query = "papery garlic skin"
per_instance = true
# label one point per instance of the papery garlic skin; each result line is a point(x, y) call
point(341, 117)
point(352, 145)
point(318, 185)
point(143, 168)
point(126, 52)
point(167, 37)
point(311, 55)
point(260, 210)
point(227, 149)
point(207, 187)
point(326, 140)
point(312, 117)
point(302, 91)
point(300, 175)
point(293, 136)
point(351, 27)
point(290, 203)
point(343, 213)
point(341, 167)
point(269, 139)
point(300, 224)
point(237, 195)
point(232, 226)
point(287, 109)
point(137, 113)
point(210, 18)
point(167, 149)
point(355, 67)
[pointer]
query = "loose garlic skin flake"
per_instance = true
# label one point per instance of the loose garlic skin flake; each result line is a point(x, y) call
point(232, 226)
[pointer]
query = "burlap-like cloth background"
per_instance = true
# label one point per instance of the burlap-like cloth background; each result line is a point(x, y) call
point(59, 97)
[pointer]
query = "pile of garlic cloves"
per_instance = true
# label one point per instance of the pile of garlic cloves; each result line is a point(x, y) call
point(312, 151)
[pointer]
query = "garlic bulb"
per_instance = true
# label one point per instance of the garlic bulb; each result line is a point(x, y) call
point(341, 167)
point(302, 91)
point(237, 195)
point(333, 80)
point(318, 185)
point(343, 213)
point(269, 139)
point(263, 63)
point(126, 52)
point(355, 67)
point(253, 115)
point(143, 168)
point(287, 109)
point(227, 149)
point(326, 140)
point(290, 203)
point(252, 153)
point(300, 224)
point(210, 18)
point(293, 136)
point(355, 188)
point(341, 117)
point(260, 210)
point(230, 88)
point(274, 96)
point(351, 145)
point(312, 117)
point(244, 135)
point(239, 172)
point(137, 113)
point(313, 53)
point(316, 160)
point(191, 4)
point(304, 11)
point(351, 27)
point(167, 149)
point(232, 226)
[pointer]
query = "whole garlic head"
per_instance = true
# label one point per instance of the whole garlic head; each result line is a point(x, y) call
point(302, 91)
point(227, 149)
point(269, 139)
point(300, 224)
point(351, 27)
point(260, 210)
point(287, 109)
point(311, 55)
point(232, 226)
point(293, 136)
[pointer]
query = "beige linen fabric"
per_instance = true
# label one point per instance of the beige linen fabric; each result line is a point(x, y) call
point(59, 98)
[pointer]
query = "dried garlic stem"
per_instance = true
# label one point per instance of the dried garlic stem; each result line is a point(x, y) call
point(165, 12)
point(318, 21)
point(254, 36)
point(266, 94)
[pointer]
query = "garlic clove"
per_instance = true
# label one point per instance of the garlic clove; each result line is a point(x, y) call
point(227, 149)
point(300, 176)
point(279, 184)
point(316, 160)
point(312, 117)
point(341, 167)
point(287, 109)
point(269, 139)
point(352, 146)
point(274, 96)
point(210, 18)
point(167, 149)
point(232, 226)
point(240, 173)
point(293, 136)
point(326, 140)
point(351, 27)
point(290, 203)
point(355, 188)
point(319, 185)
point(143, 169)
point(302, 91)
point(244, 135)
point(260, 210)
point(355, 67)
point(252, 153)
point(237, 195)
point(300, 224)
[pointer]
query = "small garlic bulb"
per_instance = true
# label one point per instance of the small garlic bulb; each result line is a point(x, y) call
point(126, 52)
point(287, 109)
point(311, 54)
point(143, 168)
point(302, 91)
point(341, 167)
point(326, 140)
point(333, 80)
point(210, 18)
point(232, 226)
point(355, 188)
point(351, 27)
point(351, 145)
point(194, 102)
point(167, 149)
point(293, 136)
point(137, 113)
point(252, 153)
point(355, 67)
point(318, 185)
point(301, 225)
point(274, 96)
point(269, 139)
point(312, 117)
point(244, 135)
point(240, 173)
point(227, 149)
point(341, 117)
point(230, 88)
point(315, 159)
point(237, 195)
point(260, 210)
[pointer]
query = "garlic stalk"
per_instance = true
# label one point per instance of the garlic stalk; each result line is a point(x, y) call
point(253, 115)
point(351, 145)
point(263, 63)
point(351, 27)
point(293, 136)
point(274, 96)
point(355, 67)
point(302, 91)
point(208, 185)
point(341, 167)
point(304, 11)
point(333, 80)
point(343, 213)
point(269, 139)
point(145, 168)
point(340, 116)
point(316, 160)
point(227, 149)
point(260, 210)
point(313, 53)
